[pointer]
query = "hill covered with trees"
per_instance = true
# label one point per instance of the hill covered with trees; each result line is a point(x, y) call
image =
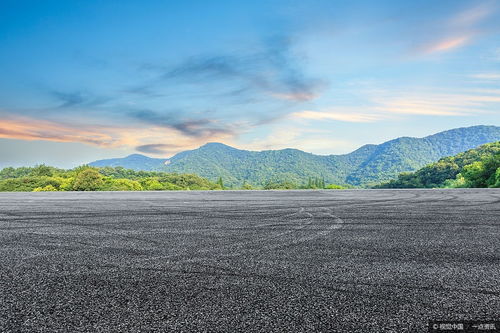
point(479, 167)
point(85, 178)
point(366, 166)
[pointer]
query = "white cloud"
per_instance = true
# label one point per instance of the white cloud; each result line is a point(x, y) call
point(494, 76)
point(336, 115)
point(313, 141)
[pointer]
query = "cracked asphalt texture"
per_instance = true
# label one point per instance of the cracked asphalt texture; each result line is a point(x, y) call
point(248, 261)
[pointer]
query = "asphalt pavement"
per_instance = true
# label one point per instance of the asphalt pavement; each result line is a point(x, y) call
point(248, 261)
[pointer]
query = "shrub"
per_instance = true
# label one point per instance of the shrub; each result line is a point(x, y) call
point(335, 187)
point(121, 185)
point(48, 188)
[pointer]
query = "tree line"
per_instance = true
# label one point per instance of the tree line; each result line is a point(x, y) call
point(86, 178)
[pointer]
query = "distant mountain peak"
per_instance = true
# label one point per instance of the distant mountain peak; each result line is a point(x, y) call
point(215, 145)
point(210, 146)
point(137, 156)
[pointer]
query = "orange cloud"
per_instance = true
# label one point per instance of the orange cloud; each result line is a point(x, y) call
point(458, 31)
point(446, 44)
point(24, 128)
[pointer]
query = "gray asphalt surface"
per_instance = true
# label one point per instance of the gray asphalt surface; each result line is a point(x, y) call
point(249, 261)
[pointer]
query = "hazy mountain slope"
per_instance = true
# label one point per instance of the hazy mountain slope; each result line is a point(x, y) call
point(440, 173)
point(134, 162)
point(366, 165)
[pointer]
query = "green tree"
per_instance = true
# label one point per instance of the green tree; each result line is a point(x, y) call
point(497, 178)
point(42, 170)
point(220, 183)
point(474, 174)
point(88, 180)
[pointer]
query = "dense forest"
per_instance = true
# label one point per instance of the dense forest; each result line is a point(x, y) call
point(86, 178)
point(366, 166)
point(479, 167)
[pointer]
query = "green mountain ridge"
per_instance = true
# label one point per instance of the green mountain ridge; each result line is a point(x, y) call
point(367, 165)
point(478, 167)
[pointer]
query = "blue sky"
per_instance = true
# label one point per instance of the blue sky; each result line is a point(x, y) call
point(83, 80)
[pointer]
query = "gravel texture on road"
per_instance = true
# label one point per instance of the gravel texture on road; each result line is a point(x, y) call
point(248, 261)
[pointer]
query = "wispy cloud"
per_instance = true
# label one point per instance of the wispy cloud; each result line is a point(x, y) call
point(271, 76)
point(77, 99)
point(445, 44)
point(308, 140)
point(24, 128)
point(473, 15)
point(196, 127)
point(153, 139)
point(494, 76)
point(304, 95)
point(158, 148)
point(335, 115)
point(438, 104)
point(391, 104)
point(496, 55)
point(459, 30)
point(273, 71)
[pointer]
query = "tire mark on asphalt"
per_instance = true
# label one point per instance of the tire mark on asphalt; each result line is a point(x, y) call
point(263, 244)
point(97, 230)
point(323, 232)
point(225, 271)
point(232, 248)
point(128, 237)
point(25, 227)
point(220, 271)
point(482, 203)
point(62, 239)
point(272, 241)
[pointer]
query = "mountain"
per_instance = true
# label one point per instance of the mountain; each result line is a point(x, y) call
point(409, 154)
point(365, 166)
point(479, 167)
point(133, 162)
